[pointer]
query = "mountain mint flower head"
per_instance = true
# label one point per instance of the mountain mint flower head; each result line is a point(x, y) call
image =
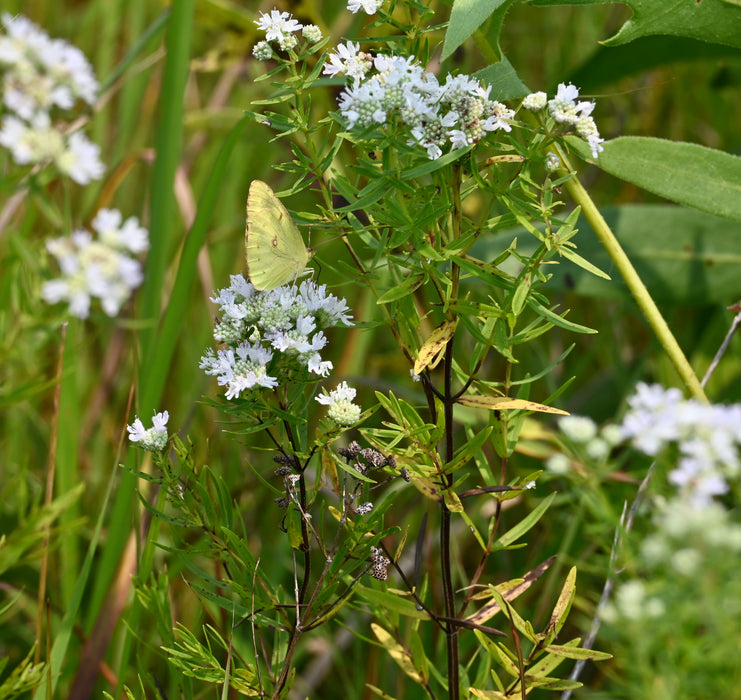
point(40, 73)
point(708, 439)
point(279, 26)
point(552, 162)
point(436, 117)
point(262, 51)
point(38, 142)
point(270, 336)
point(312, 33)
point(579, 429)
point(566, 110)
point(342, 410)
point(370, 7)
point(535, 101)
point(348, 60)
point(153, 439)
point(99, 268)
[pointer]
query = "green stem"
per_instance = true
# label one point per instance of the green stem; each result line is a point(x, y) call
point(633, 281)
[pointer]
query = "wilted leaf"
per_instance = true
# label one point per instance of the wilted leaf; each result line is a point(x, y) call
point(431, 352)
point(504, 403)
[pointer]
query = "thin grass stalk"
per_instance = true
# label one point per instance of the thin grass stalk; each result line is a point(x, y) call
point(49, 494)
point(154, 372)
point(168, 146)
point(68, 458)
point(58, 654)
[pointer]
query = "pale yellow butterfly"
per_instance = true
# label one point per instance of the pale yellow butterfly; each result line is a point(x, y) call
point(274, 249)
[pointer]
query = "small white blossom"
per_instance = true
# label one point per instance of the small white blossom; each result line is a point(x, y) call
point(558, 463)
point(552, 162)
point(262, 51)
point(40, 73)
point(312, 33)
point(708, 439)
point(341, 410)
point(566, 110)
point(370, 7)
point(348, 60)
point(97, 268)
point(535, 101)
point(39, 142)
point(153, 439)
point(364, 508)
point(597, 449)
point(277, 25)
point(81, 160)
point(579, 429)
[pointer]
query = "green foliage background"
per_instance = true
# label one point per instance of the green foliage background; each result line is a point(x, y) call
point(678, 88)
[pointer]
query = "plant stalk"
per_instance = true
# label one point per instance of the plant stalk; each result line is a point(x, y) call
point(633, 281)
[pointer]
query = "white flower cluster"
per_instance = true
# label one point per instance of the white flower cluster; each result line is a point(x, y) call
point(152, 439)
point(370, 7)
point(457, 114)
point(255, 325)
point(40, 74)
point(97, 267)
point(587, 439)
point(282, 28)
point(341, 410)
point(566, 110)
point(708, 439)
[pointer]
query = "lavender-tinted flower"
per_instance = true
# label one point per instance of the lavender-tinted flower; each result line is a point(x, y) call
point(270, 334)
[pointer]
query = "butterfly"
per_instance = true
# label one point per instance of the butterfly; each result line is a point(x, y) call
point(274, 249)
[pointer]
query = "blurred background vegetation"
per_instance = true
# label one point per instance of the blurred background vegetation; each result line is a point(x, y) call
point(680, 89)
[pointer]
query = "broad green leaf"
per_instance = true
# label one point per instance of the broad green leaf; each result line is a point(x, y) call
point(466, 17)
point(686, 173)
point(504, 81)
point(609, 64)
point(714, 21)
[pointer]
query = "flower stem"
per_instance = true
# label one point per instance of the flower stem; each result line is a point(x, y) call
point(633, 281)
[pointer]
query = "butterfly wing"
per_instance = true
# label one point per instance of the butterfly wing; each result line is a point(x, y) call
point(275, 251)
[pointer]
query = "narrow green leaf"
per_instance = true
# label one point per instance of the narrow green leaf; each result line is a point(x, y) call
point(571, 652)
point(524, 525)
point(393, 602)
point(563, 604)
point(400, 291)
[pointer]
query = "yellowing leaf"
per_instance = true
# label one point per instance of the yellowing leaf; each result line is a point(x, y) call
point(397, 651)
point(431, 352)
point(508, 158)
point(505, 403)
point(487, 694)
